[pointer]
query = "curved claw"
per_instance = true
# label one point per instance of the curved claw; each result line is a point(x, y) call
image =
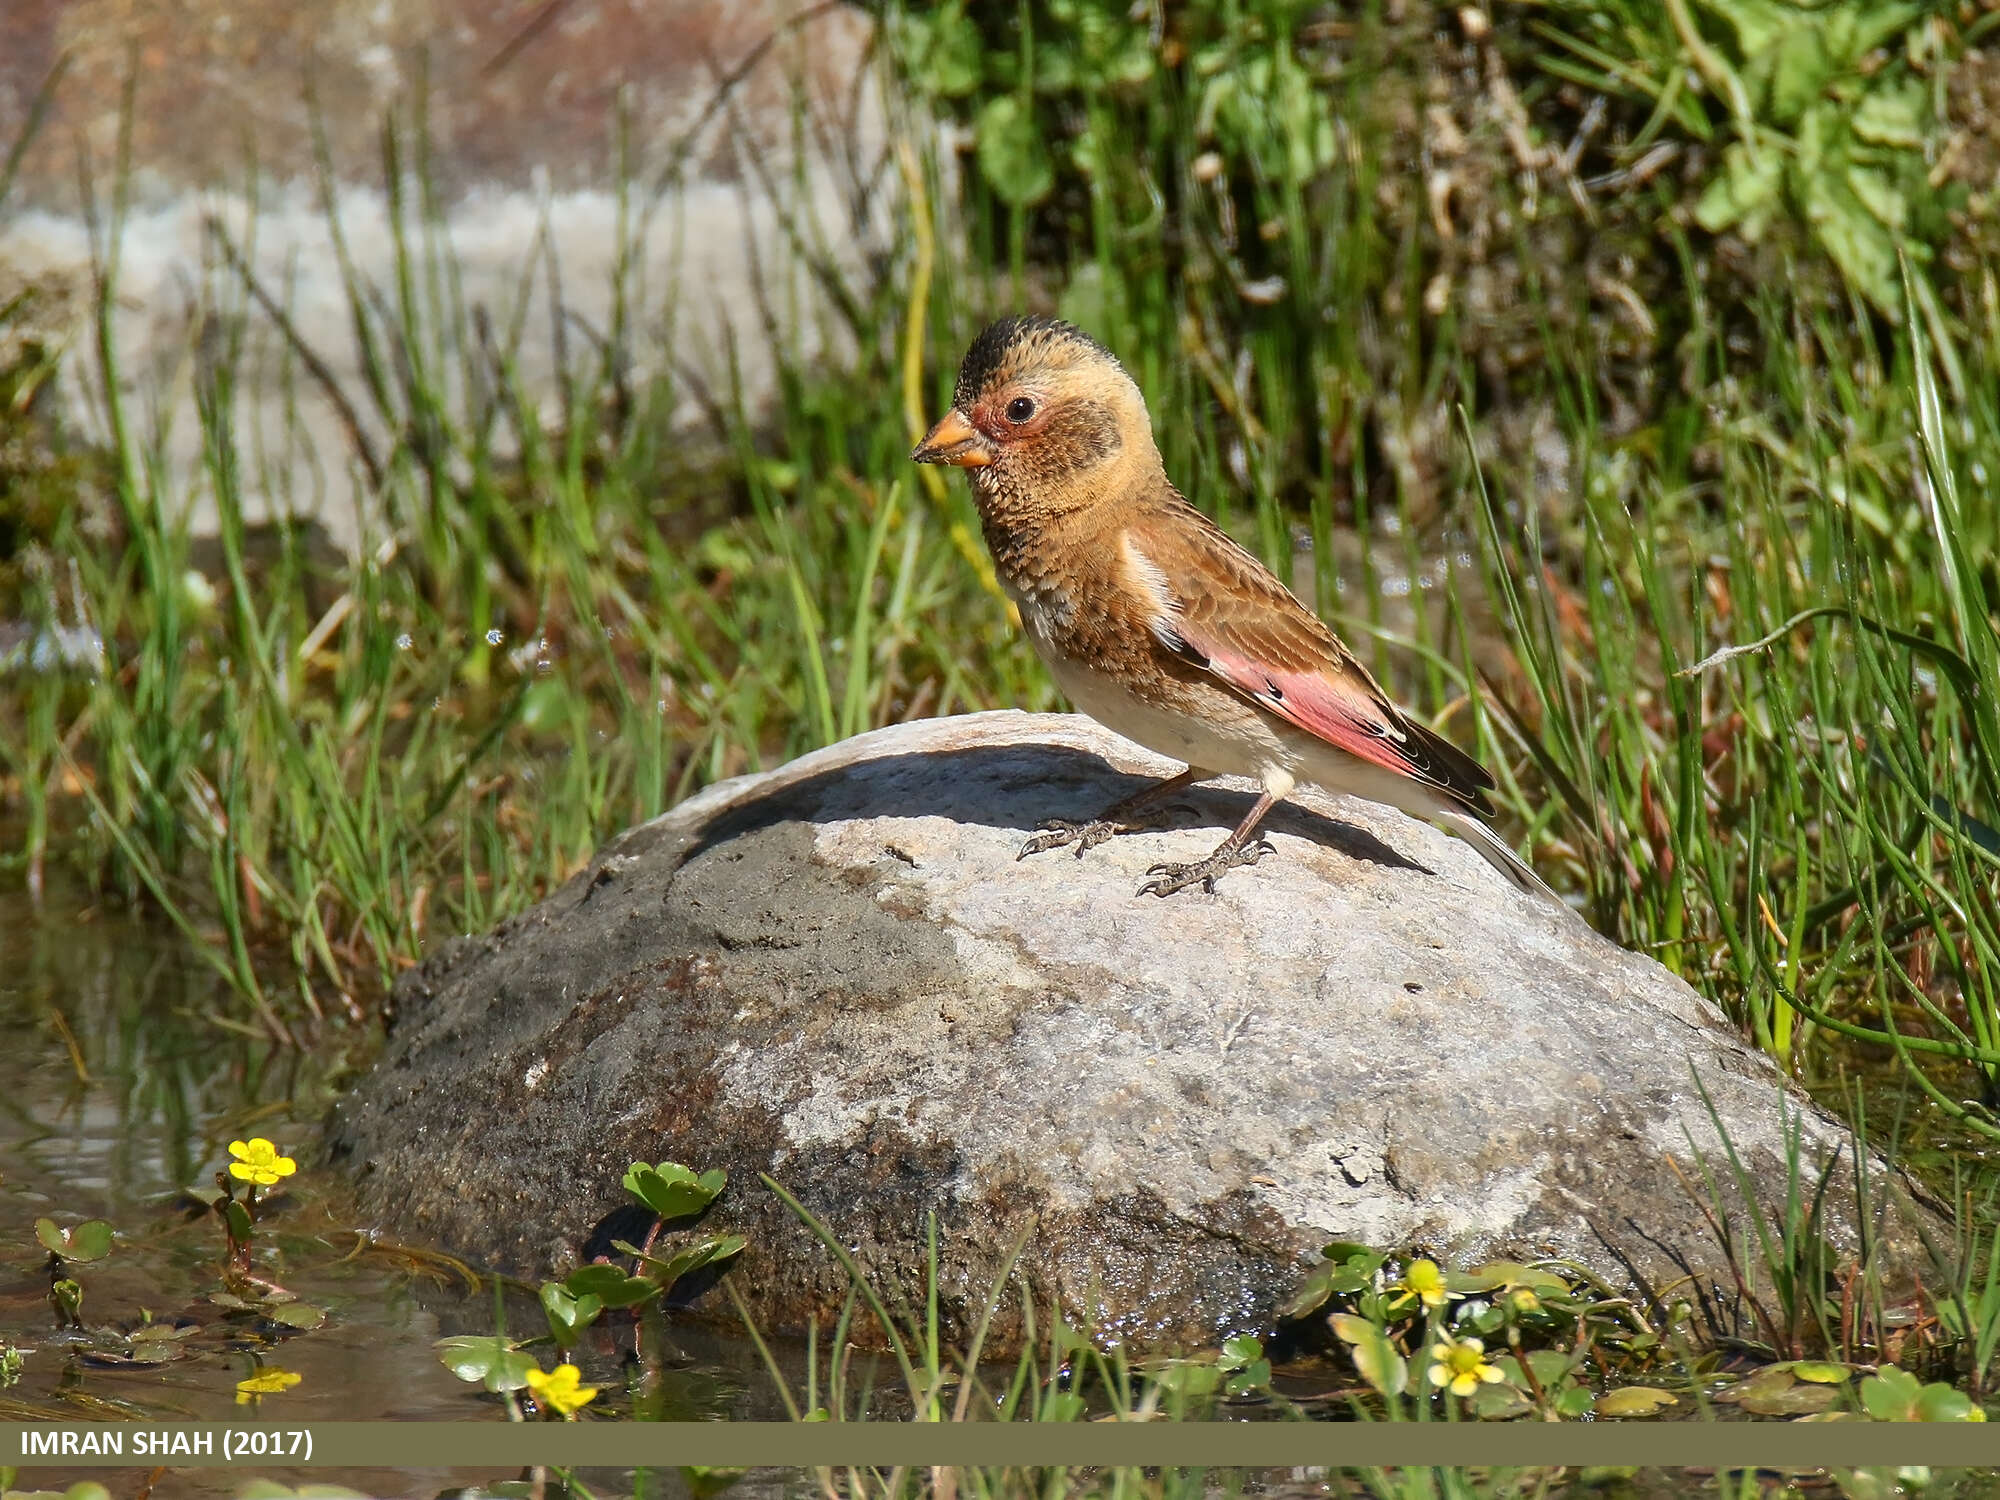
point(1205, 872)
point(1062, 832)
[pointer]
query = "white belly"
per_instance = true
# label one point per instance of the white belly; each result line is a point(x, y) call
point(1238, 742)
point(1234, 740)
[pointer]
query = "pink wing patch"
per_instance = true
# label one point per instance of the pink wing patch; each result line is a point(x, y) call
point(1316, 702)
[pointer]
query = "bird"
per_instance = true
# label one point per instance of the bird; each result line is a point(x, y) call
point(1157, 624)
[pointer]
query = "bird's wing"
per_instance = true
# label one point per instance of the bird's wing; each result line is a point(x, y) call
point(1218, 607)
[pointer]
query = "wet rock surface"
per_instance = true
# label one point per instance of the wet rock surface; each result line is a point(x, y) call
point(838, 974)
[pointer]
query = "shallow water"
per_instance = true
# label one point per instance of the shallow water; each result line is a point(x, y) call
point(117, 1091)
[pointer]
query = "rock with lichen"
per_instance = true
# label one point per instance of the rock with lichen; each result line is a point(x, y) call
point(838, 974)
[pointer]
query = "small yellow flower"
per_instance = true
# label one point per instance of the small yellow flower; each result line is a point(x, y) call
point(1461, 1365)
point(560, 1389)
point(264, 1383)
point(1524, 1300)
point(1422, 1282)
point(257, 1161)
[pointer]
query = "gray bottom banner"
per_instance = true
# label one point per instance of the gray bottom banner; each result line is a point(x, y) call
point(1796, 1446)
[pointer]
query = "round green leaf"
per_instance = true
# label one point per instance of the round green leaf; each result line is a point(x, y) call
point(1240, 1351)
point(671, 1190)
point(1011, 154)
point(485, 1359)
point(1633, 1401)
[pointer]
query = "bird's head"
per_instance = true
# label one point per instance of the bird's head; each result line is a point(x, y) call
point(1044, 414)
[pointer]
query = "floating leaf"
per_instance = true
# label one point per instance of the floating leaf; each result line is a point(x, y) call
point(1820, 1372)
point(1240, 1351)
point(1940, 1403)
point(84, 1243)
point(671, 1190)
point(1188, 1377)
point(1497, 1403)
point(1774, 1393)
point(1575, 1402)
point(1894, 1395)
point(300, 1315)
point(1633, 1401)
point(150, 1333)
point(486, 1359)
point(1551, 1367)
point(1252, 1377)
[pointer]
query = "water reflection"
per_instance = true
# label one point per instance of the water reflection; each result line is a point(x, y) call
point(120, 1086)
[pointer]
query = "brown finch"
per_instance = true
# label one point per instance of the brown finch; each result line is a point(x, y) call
point(1161, 628)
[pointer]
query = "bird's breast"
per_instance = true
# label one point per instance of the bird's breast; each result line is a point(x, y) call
point(1110, 669)
point(1047, 613)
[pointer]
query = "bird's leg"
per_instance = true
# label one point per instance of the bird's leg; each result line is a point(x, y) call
point(1238, 849)
point(1120, 817)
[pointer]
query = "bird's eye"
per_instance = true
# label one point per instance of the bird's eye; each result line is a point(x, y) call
point(1020, 409)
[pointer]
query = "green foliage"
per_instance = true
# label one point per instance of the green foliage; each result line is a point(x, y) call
point(672, 1191)
point(608, 1286)
point(684, 1262)
point(1893, 1395)
point(487, 1360)
point(81, 1244)
point(568, 1313)
point(1829, 110)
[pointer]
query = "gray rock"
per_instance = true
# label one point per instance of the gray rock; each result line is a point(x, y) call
point(838, 974)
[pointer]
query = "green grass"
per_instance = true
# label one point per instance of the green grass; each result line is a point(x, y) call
point(1735, 671)
point(318, 767)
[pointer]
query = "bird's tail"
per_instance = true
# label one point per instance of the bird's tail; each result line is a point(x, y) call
point(1497, 853)
point(1339, 772)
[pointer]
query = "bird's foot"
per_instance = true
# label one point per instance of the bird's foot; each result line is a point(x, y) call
point(1062, 833)
point(1205, 872)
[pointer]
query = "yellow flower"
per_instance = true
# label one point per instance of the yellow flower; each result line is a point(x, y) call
point(1461, 1365)
point(1524, 1300)
point(257, 1161)
point(1422, 1282)
point(560, 1389)
point(264, 1383)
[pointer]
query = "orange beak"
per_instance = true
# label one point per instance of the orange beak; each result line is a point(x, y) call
point(956, 442)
